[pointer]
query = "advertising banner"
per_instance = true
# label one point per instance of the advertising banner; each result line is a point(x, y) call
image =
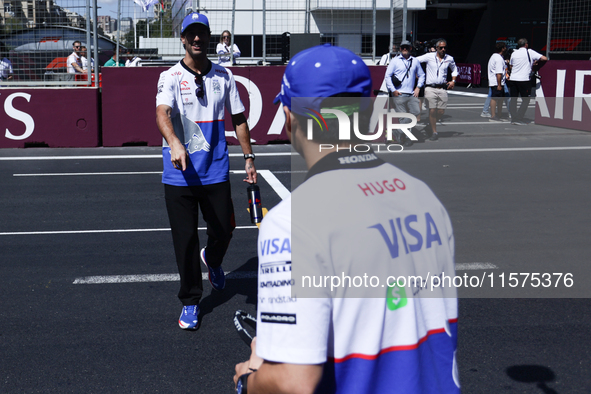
point(63, 117)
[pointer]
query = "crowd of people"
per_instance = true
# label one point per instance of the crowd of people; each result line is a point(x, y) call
point(511, 74)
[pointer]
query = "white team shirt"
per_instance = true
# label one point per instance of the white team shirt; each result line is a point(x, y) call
point(401, 67)
point(73, 58)
point(437, 68)
point(5, 68)
point(224, 58)
point(377, 338)
point(496, 65)
point(521, 65)
point(198, 122)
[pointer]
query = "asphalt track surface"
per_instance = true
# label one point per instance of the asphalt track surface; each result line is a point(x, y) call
point(88, 286)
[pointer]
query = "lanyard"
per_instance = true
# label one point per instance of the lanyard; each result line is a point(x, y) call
point(439, 64)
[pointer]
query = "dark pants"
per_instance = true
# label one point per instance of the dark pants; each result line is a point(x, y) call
point(523, 89)
point(183, 204)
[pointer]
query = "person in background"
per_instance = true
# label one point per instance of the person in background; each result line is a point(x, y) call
point(225, 56)
point(385, 59)
point(6, 71)
point(84, 60)
point(112, 62)
point(74, 62)
point(132, 61)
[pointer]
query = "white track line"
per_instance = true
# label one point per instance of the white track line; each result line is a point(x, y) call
point(111, 157)
point(456, 93)
point(107, 279)
point(275, 183)
point(408, 151)
point(134, 230)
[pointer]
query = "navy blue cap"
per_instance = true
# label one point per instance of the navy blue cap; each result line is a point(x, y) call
point(194, 18)
point(323, 71)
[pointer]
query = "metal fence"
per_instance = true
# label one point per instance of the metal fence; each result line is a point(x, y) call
point(37, 36)
point(569, 27)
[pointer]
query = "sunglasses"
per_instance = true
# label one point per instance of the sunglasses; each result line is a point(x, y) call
point(199, 82)
point(442, 47)
point(405, 47)
point(77, 47)
point(225, 36)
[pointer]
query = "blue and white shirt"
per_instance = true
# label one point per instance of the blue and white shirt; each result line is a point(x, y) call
point(198, 122)
point(406, 70)
point(357, 215)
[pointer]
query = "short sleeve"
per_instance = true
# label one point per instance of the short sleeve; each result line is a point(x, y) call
point(233, 102)
point(165, 95)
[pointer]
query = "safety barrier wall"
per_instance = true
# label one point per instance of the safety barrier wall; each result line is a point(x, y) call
point(65, 117)
point(563, 98)
point(469, 73)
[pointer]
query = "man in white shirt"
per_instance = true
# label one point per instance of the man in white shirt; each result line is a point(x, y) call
point(385, 59)
point(496, 81)
point(74, 62)
point(520, 66)
point(353, 338)
point(401, 80)
point(436, 84)
point(84, 60)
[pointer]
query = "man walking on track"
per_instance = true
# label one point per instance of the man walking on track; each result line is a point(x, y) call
point(435, 88)
point(190, 104)
point(354, 215)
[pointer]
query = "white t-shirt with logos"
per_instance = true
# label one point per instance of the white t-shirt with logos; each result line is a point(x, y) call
point(198, 122)
point(496, 65)
point(357, 215)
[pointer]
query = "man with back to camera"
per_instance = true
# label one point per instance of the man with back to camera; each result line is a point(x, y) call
point(190, 104)
point(435, 88)
point(352, 340)
point(520, 66)
point(401, 80)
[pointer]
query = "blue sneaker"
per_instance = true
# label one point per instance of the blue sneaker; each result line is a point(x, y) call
point(188, 319)
point(217, 278)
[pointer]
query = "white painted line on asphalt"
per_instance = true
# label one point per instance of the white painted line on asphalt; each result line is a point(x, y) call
point(108, 279)
point(456, 93)
point(133, 230)
point(111, 157)
point(475, 266)
point(91, 173)
point(550, 148)
point(275, 183)
point(108, 173)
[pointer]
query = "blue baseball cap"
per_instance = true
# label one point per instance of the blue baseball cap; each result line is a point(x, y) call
point(195, 17)
point(323, 71)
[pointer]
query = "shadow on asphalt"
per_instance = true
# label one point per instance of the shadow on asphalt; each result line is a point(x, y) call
point(533, 374)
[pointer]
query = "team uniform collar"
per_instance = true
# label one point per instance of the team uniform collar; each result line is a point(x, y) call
point(207, 70)
point(345, 160)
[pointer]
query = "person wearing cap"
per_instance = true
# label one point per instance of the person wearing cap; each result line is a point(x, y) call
point(436, 82)
point(404, 79)
point(225, 58)
point(190, 103)
point(354, 215)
